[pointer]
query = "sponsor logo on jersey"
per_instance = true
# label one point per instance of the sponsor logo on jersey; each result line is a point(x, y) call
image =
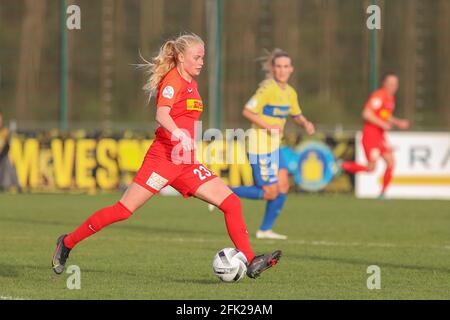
point(156, 181)
point(194, 105)
point(385, 114)
point(168, 92)
point(276, 111)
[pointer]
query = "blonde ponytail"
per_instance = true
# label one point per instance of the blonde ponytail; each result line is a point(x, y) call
point(166, 60)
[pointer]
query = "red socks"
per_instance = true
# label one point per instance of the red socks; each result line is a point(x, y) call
point(353, 167)
point(231, 208)
point(97, 222)
point(387, 178)
point(237, 230)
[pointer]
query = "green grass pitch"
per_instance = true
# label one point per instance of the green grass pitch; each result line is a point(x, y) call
point(165, 250)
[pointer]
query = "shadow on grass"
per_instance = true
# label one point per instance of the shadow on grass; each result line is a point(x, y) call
point(197, 281)
point(16, 270)
point(367, 263)
point(135, 228)
point(8, 271)
point(150, 230)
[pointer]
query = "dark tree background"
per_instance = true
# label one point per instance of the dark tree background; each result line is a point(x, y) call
point(328, 40)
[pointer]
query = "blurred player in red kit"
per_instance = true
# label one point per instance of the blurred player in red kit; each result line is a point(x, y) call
point(378, 118)
point(170, 160)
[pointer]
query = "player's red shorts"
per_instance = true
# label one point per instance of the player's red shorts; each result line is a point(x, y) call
point(157, 172)
point(374, 144)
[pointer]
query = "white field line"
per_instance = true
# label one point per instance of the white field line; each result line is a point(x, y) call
point(323, 243)
point(320, 243)
point(10, 298)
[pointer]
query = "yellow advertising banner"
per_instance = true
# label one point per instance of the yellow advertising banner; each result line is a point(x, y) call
point(107, 164)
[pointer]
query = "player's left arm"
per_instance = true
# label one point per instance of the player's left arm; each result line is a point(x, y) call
point(399, 123)
point(299, 118)
point(305, 124)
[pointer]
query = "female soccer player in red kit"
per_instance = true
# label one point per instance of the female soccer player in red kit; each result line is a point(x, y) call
point(378, 119)
point(170, 160)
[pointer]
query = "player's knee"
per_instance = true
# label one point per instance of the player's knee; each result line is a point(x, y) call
point(390, 163)
point(283, 187)
point(271, 193)
point(272, 196)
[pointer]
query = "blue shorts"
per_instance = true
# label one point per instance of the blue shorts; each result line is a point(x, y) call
point(265, 167)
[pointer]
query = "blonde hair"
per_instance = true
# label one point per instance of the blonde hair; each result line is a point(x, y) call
point(268, 60)
point(166, 60)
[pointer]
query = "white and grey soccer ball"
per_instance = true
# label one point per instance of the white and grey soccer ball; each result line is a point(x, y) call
point(230, 265)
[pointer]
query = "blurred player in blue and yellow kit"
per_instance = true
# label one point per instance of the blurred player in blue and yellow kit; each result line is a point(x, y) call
point(269, 108)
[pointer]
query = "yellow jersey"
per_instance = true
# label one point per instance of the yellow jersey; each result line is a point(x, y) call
point(273, 104)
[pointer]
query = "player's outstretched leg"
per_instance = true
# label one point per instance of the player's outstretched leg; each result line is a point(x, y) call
point(353, 167)
point(93, 224)
point(133, 198)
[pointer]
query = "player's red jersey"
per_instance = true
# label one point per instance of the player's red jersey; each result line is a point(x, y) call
point(165, 162)
point(383, 105)
point(373, 140)
point(186, 108)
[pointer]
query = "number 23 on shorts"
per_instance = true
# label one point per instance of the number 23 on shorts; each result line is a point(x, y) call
point(202, 173)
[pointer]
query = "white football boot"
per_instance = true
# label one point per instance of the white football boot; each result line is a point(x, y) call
point(269, 234)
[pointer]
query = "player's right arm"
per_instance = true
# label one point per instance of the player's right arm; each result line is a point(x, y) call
point(165, 101)
point(257, 120)
point(165, 120)
point(375, 102)
point(370, 116)
point(254, 107)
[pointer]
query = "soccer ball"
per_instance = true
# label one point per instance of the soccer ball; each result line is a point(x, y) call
point(230, 265)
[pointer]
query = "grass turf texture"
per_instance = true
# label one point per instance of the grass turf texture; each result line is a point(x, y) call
point(165, 250)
